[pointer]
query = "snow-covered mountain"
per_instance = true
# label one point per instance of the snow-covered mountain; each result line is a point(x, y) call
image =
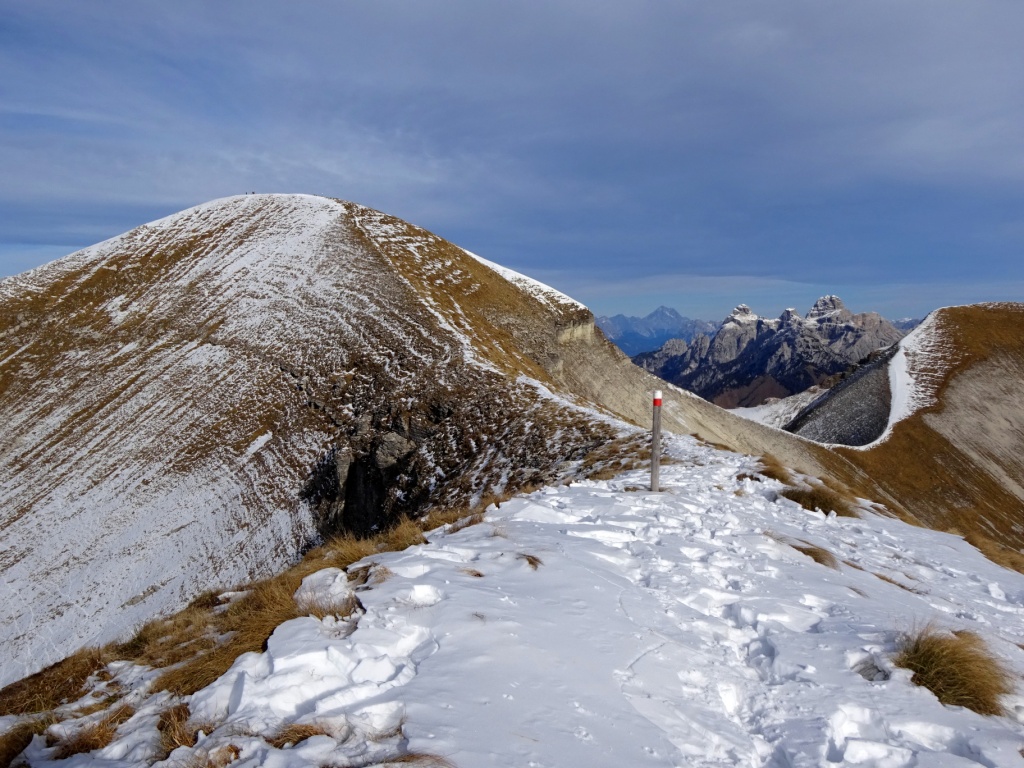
point(192, 403)
point(751, 358)
point(634, 335)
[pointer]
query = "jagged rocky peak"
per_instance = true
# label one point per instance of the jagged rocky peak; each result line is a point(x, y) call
point(827, 306)
point(790, 317)
point(742, 314)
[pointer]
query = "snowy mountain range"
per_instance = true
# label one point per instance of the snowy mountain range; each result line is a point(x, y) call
point(751, 358)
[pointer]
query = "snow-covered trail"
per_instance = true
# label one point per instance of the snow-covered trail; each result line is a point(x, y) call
point(604, 625)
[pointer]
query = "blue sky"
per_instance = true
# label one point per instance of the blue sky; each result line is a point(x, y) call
point(695, 154)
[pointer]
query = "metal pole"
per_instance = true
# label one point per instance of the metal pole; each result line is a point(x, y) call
point(656, 442)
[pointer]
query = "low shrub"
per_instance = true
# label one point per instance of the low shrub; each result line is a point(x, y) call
point(957, 667)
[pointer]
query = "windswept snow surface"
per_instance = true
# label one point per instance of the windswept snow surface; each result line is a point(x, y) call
point(913, 379)
point(668, 629)
point(778, 412)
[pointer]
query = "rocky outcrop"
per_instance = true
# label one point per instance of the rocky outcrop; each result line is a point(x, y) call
point(751, 359)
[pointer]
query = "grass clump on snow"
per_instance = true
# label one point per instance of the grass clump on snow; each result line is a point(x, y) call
point(58, 684)
point(816, 496)
point(177, 729)
point(957, 667)
point(817, 554)
point(294, 733)
point(14, 740)
point(95, 735)
point(812, 494)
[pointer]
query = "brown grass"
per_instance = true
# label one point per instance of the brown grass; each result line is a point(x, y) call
point(816, 496)
point(472, 572)
point(14, 741)
point(817, 554)
point(941, 470)
point(772, 468)
point(423, 759)
point(57, 684)
point(456, 519)
point(957, 667)
point(890, 580)
point(218, 758)
point(532, 560)
point(177, 730)
point(250, 620)
point(998, 553)
point(294, 733)
point(94, 736)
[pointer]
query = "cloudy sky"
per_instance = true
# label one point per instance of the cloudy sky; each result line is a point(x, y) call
point(695, 154)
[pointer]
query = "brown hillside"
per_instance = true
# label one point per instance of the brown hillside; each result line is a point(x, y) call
point(959, 462)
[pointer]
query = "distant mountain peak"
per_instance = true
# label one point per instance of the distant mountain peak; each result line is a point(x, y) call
point(825, 306)
point(742, 314)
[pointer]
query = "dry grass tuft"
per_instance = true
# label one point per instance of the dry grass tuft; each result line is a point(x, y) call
point(218, 758)
point(818, 497)
point(455, 519)
point(532, 560)
point(57, 684)
point(817, 554)
point(177, 731)
point(14, 741)
point(890, 580)
point(957, 667)
point(813, 551)
point(472, 572)
point(94, 736)
point(772, 468)
point(294, 733)
point(423, 759)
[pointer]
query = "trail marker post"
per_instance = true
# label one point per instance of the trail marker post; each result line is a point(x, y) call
point(656, 442)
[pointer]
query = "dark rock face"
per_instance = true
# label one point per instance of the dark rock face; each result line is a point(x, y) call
point(752, 358)
point(855, 411)
point(634, 335)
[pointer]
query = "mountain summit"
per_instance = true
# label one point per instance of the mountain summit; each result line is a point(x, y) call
point(198, 400)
